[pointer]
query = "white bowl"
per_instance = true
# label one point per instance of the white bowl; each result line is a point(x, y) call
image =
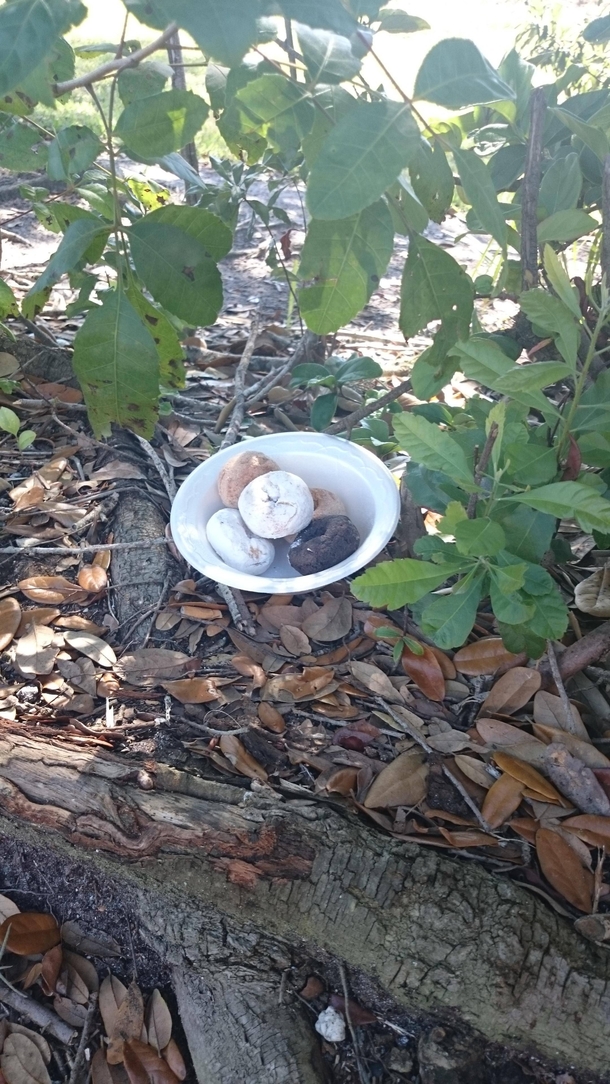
point(364, 484)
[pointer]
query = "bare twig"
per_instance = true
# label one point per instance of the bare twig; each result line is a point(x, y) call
point(240, 613)
point(239, 408)
point(169, 484)
point(78, 1065)
point(10, 235)
point(356, 416)
point(404, 725)
point(39, 1015)
point(481, 468)
point(304, 349)
point(116, 65)
point(362, 1071)
point(472, 805)
point(156, 609)
point(530, 189)
point(605, 252)
point(570, 725)
point(75, 551)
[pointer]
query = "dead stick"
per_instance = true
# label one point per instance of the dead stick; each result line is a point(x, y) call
point(472, 805)
point(481, 468)
point(168, 483)
point(117, 64)
point(362, 1071)
point(74, 551)
point(79, 1060)
point(370, 408)
point(581, 654)
point(240, 613)
point(559, 685)
point(303, 351)
point(39, 1015)
point(240, 387)
point(605, 253)
point(530, 189)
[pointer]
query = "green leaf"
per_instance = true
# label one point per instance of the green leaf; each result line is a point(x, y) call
point(73, 150)
point(161, 123)
point(116, 364)
point(432, 178)
point(329, 14)
point(570, 500)
point(593, 411)
point(396, 21)
point(407, 212)
point(482, 360)
point(506, 165)
point(21, 147)
point(9, 421)
point(598, 30)
point(434, 368)
point(172, 372)
point(519, 638)
point(567, 293)
point(216, 86)
point(509, 577)
point(594, 137)
point(479, 537)
point(25, 438)
point(17, 103)
point(398, 583)
point(358, 369)
point(449, 619)
point(277, 108)
point(561, 185)
point(530, 464)
point(434, 448)
point(309, 372)
point(507, 607)
point(566, 226)
point(595, 449)
point(481, 193)
point(362, 155)
point(523, 379)
point(223, 29)
point(84, 236)
point(331, 103)
point(553, 316)
point(455, 74)
point(28, 31)
point(148, 79)
point(175, 250)
point(57, 66)
point(549, 617)
point(328, 57)
point(8, 301)
point(323, 411)
point(345, 260)
point(434, 287)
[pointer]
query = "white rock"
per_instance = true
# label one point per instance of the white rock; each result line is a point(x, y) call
point(236, 545)
point(276, 504)
point(331, 1026)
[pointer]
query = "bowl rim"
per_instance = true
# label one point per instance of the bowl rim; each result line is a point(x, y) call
point(223, 574)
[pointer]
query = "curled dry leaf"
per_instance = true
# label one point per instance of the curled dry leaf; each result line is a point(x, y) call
point(592, 595)
point(527, 775)
point(50, 968)
point(29, 933)
point(91, 646)
point(240, 758)
point(305, 686)
point(7, 908)
point(575, 781)
point(51, 589)
point(502, 800)
point(271, 718)
point(154, 665)
point(197, 690)
point(592, 829)
point(10, 619)
point(484, 657)
point(331, 622)
point(127, 1025)
point(112, 995)
point(158, 1021)
point(294, 640)
point(84, 969)
point(563, 870)
point(548, 710)
point(475, 770)
point(584, 750)
point(512, 691)
point(36, 652)
point(425, 671)
point(403, 782)
point(94, 942)
point(144, 1066)
point(247, 668)
point(198, 611)
point(92, 578)
point(174, 1059)
point(375, 681)
point(22, 1062)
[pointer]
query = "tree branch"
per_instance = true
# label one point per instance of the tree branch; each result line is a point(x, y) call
point(116, 65)
point(531, 186)
point(356, 416)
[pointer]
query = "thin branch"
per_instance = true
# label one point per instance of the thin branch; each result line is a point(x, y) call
point(116, 65)
point(239, 398)
point(169, 484)
point(362, 1070)
point(356, 416)
point(75, 551)
point(530, 189)
point(240, 614)
point(605, 252)
point(570, 725)
point(303, 351)
point(472, 805)
point(79, 1070)
point(481, 468)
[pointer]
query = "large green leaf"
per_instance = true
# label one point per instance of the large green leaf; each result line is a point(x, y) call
point(549, 617)
point(398, 583)
point(28, 31)
point(593, 411)
point(117, 367)
point(147, 79)
point(361, 156)
point(397, 21)
point(73, 150)
point(569, 500)
point(21, 148)
point(560, 281)
point(590, 134)
point(223, 29)
point(566, 226)
point(434, 287)
point(483, 360)
point(175, 251)
point(530, 464)
point(277, 108)
point(598, 30)
point(162, 123)
point(331, 103)
point(449, 619)
point(523, 379)
point(554, 315)
point(408, 214)
point(561, 185)
point(455, 74)
point(479, 537)
point(328, 14)
point(8, 301)
point(328, 56)
point(427, 443)
point(506, 165)
point(432, 178)
point(434, 368)
point(57, 66)
point(528, 533)
point(480, 191)
point(169, 348)
point(345, 259)
point(86, 235)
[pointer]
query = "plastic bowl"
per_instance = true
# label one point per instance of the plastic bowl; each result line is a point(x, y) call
point(361, 480)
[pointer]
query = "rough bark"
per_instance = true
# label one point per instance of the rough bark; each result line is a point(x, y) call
point(436, 934)
point(139, 579)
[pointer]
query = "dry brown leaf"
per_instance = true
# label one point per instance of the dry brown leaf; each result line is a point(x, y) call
point(305, 686)
point(167, 620)
point(247, 668)
point(154, 665)
point(158, 1021)
point(112, 995)
point(512, 691)
point(10, 619)
point(174, 1059)
point(403, 782)
point(42, 615)
point(22, 1062)
point(36, 652)
point(474, 770)
point(446, 664)
point(35, 1036)
point(576, 782)
point(271, 718)
point(197, 690)
point(527, 775)
point(592, 829)
point(7, 908)
point(375, 681)
point(526, 827)
point(100, 1071)
point(51, 589)
point(340, 781)
point(81, 674)
point(294, 640)
point(331, 622)
point(500, 735)
point(92, 578)
point(91, 646)
point(563, 870)
point(72, 986)
point(144, 1066)
point(241, 759)
point(82, 624)
point(50, 968)
point(468, 838)
point(501, 800)
point(425, 671)
point(483, 657)
point(94, 942)
point(84, 968)
point(548, 710)
point(584, 750)
point(102, 559)
point(450, 741)
point(592, 596)
point(375, 621)
point(73, 1014)
point(128, 1023)
point(29, 933)
point(198, 611)
point(275, 616)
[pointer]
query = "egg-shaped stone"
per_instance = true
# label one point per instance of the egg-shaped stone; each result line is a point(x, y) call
point(276, 504)
point(237, 546)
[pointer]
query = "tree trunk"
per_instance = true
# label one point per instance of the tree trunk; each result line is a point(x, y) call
point(246, 880)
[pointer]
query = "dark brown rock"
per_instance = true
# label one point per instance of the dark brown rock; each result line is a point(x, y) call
point(323, 543)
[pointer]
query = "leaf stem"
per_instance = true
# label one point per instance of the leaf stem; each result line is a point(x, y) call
point(580, 383)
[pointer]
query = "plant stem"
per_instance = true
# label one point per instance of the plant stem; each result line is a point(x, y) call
point(481, 468)
point(531, 186)
point(580, 383)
